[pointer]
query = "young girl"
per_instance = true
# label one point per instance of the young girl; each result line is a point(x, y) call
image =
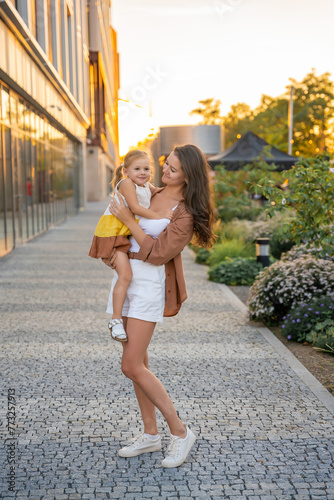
point(131, 182)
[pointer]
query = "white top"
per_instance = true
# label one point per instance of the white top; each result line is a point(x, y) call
point(143, 194)
point(153, 227)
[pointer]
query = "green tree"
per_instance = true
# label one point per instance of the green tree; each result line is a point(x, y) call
point(310, 195)
point(313, 112)
point(313, 122)
point(209, 111)
point(271, 121)
point(237, 122)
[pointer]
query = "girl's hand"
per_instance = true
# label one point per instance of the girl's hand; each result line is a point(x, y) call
point(121, 211)
point(110, 261)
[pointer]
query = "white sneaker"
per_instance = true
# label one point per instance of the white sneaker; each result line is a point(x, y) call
point(178, 449)
point(117, 331)
point(140, 444)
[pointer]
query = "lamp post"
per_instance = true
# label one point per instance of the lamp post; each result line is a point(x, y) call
point(290, 121)
point(262, 251)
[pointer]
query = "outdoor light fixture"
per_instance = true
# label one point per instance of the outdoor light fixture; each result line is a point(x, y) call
point(262, 251)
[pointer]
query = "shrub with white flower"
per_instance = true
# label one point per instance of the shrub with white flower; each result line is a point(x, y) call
point(287, 283)
point(303, 250)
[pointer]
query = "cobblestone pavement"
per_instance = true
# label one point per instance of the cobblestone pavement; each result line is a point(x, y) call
point(262, 433)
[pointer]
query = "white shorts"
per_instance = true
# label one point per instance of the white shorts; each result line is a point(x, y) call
point(145, 297)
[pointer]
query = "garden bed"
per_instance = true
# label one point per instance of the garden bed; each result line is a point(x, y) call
point(320, 364)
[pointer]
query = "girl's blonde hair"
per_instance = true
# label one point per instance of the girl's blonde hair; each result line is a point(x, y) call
point(133, 154)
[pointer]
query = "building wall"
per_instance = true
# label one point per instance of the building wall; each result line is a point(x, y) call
point(44, 74)
point(102, 143)
point(207, 137)
point(58, 119)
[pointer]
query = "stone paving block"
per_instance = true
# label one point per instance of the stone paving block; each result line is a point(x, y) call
point(261, 432)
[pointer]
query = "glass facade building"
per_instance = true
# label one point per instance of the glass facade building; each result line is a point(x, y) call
point(39, 169)
point(102, 143)
point(58, 95)
point(53, 104)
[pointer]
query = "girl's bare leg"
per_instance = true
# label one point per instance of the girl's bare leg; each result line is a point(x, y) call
point(123, 269)
point(149, 390)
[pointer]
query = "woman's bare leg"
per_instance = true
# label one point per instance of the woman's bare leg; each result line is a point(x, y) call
point(147, 409)
point(123, 269)
point(149, 390)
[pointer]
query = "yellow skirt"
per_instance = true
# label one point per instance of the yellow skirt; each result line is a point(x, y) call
point(109, 234)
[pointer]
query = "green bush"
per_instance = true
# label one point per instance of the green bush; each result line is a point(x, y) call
point(230, 249)
point(324, 340)
point(310, 195)
point(231, 188)
point(305, 317)
point(235, 229)
point(269, 228)
point(194, 248)
point(241, 207)
point(202, 256)
point(241, 271)
point(287, 283)
point(279, 245)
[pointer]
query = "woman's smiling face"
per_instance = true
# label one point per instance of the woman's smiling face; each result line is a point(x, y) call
point(172, 170)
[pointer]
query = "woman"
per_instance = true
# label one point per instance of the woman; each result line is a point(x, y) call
point(155, 257)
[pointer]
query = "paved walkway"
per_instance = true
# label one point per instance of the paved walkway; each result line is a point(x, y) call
point(263, 433)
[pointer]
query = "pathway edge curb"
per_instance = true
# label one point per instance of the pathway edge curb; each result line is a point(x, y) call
point(309, 380)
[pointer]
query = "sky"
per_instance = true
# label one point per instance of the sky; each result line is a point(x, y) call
point(174, 53)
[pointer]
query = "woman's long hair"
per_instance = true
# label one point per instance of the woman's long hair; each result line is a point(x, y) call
point(197, 193)
point(128, 159)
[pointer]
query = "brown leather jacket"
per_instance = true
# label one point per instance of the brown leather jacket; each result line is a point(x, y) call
point(166, 249)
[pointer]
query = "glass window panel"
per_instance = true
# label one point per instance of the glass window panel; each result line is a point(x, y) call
point(47, 183)
point(24, 187)
point(37, 127)
point(9, 219)
point(29, 188)
point(16, 194)
point(26, 118)
point(21, 114)
point(47, 132)
point(59, 184)
point(5, 105)
point(70, 187)
point(18, 185)
point(41, 128)
point(32, 123)
point(33, 17)
point(41, 185)
point(51, 196)
point(2, 202)
point(34, 177)
point(13, 110)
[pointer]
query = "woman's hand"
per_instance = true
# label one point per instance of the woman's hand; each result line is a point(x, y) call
point(121, 211)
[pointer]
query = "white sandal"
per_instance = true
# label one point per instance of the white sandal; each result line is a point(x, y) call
point(117, 331)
